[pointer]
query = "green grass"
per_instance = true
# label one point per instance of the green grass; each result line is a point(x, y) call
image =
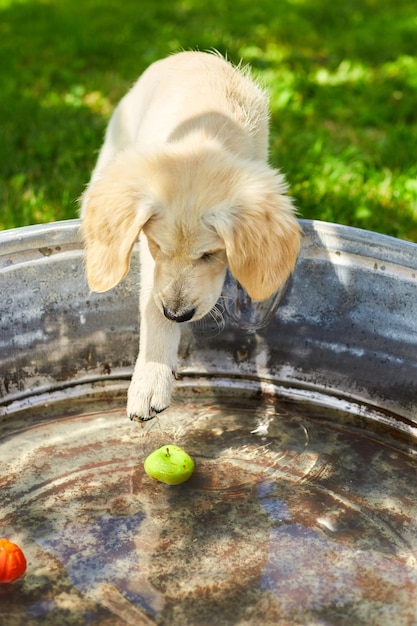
point(342, 79)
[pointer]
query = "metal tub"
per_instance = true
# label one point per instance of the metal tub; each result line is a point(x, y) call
point(303, 506)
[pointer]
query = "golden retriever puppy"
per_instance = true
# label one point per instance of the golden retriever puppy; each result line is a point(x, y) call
point(184, 168)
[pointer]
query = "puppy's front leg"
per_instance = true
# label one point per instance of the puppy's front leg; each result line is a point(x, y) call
point(150, 388)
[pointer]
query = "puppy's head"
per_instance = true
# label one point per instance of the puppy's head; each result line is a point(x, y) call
point(200, 211)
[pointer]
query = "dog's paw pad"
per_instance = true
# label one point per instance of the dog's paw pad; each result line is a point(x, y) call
point(134, 417)
point(140, 418)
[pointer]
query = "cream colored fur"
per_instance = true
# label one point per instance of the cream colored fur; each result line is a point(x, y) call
point(184, 165)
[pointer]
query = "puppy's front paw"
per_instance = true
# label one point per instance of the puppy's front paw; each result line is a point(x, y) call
point(149, 391)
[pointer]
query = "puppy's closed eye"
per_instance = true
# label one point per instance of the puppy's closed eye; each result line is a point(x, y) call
point(211, 256)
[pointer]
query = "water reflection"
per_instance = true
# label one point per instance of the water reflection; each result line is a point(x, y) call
point(292, 516)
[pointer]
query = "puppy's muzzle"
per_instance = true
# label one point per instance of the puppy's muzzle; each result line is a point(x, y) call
point(179, 317)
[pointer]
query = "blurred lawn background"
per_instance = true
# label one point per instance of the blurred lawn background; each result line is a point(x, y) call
point(342, 77)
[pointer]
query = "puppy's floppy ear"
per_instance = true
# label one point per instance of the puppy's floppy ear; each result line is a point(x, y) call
point(260, 232)
point(114, 210)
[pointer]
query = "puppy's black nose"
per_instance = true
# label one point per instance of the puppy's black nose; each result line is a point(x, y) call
point(179, 317)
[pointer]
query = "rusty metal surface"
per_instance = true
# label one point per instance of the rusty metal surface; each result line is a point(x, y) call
point(53, 331)
point(346, 325)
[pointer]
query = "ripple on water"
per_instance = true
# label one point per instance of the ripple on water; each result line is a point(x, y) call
point(294, 514)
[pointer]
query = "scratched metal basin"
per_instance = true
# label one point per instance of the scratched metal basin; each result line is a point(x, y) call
point(302, 420)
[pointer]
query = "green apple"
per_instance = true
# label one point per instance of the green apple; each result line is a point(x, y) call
point(169, 464)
